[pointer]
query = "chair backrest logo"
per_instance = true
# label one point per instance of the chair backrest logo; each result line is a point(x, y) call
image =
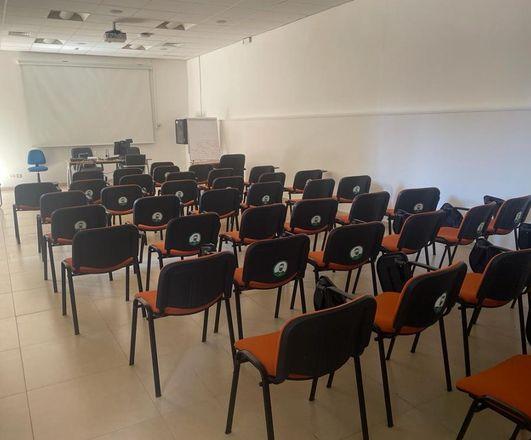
point(265, 199)
point(356, 189)
point(80, 224)
point(89, 193)
point(418, 207)
point(157, 217)
point(356, 253)
point(479, 230)
point(179, 194)
point(518, 217)
point(316, 220)
point(194, 239)
point(439, 303)
point(280, 269)
point(122, 201)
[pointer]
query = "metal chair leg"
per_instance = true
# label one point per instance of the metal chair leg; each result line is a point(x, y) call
point(238, 313)
point(216, 320)
point(303, 295)
point(468, 419)
point(293, 294)
point(313, 390)
point(154, 358)
point(279, 297)
point(385, 381)
point(205, 326)
point(52, 266)
point(330, 380)
point(63, 288)
point(361, 398)
point(136, 305)
point(415, 343)
point(445, 355)
point(148, 268)
point(522, 324)
point(390, 349)
point(230, 326)
point(465, 341)
point(15, 221)
point(267, 410)
point(73, 301)
point(373, 276)
point(127, 282)
point(232, 400)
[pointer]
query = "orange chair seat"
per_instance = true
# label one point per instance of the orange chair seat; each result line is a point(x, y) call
point(344, 200)
point(238, 280)
point(59, 240)
point(509, 382)
point(470, 288)
point(151, 228)
point(386, 308)
point(288, 228)
point(234, 236)
point(450, 236)
point(97, 270)
point(115, 212)
point(173, 252)
point(292, 190)
point(491, 231)
point(342, 217)
point(316, 258)
point(390, 243)
point(264, 348)
point(150, 297)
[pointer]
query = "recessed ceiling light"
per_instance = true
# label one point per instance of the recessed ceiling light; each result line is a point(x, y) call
point(221, 21)
point(146, 34)
point(48, 41)
point(116, 11)
point(19, 34)
point(80, 43)
point(134, 47)
point(68, 15)
point(175, 25)
point(169, 44)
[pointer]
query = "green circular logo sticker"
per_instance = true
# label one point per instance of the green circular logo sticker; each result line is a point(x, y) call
point(122, 201)
point(280, 269)
point(518, 217)
point(356, 253)
point(480, 228)
point(265, 199)
point(81, 224)
point(157, 217)
point(89, 193)
point(356, 189)
point(316, 220)
point(439, 303)
point(194, 239)
point(418, 207)
point(179, 194)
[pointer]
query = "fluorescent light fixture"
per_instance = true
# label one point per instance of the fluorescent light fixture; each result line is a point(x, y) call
point(175, 25)
point(19, 34)
point(53, 41)
point(131, 46)
point(172, 44)
point(68, 15)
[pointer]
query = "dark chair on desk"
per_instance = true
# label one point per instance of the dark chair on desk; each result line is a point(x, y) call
point(27, 198)
point(135, 161)
point(37, 160)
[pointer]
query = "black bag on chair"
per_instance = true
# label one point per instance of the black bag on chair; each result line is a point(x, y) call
point(393, 271)
point(524, 236)
point(326, 295)
point(400, 218)
point(453, 217)
point(482, 252)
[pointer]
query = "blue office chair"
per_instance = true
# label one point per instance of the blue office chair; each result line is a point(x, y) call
point(37, 159)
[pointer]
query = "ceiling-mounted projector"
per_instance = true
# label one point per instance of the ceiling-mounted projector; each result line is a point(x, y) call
point(115, 35)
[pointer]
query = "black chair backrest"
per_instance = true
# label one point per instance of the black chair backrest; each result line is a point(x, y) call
point(475, 221)
point(89, 174)
point(354, 244)
point(158, 164)
point(417, 200)
point(260, 222)
point(229, 182)
point(427, 297)
point(159, 173)
point(132, 151)
point(506, 276)
point(313, 215)
point(66, 222)
point(184, 284)
point(144, 181)
point(273, 177)
point(81, 152)
point(51, 201)
point(118, 173)
point(301, 177)
point(277, 260)
point(319, 189)
point(105, 248)
point(201, 171)
point(221, 201)
point(180, 175)
point(420, 229)
point(120, 198)
point(512, 212)
point(28, 195)
point(256, 172)
point(155, 211)
point(135, 159)
point(369, 207)
point(264, 193)
point(319, 343)
point(234, 161)
point(185, 190)
point(218, 172)
point(92, 188)
point(351, 186)
point(191, 232)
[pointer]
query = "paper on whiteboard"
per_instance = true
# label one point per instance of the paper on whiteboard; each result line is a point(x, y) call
point(203, 140)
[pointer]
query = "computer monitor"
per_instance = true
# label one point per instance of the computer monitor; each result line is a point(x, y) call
point(120, 147)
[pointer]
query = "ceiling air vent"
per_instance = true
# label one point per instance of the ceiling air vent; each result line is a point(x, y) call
point(175, 25)
point(67, 15)
point(53, 41)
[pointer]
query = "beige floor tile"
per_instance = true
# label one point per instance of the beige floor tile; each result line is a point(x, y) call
point(8, 334)
point(153, 429)
point(6, 306)
point(12, 375)
point(90, 406)
point(15, 423)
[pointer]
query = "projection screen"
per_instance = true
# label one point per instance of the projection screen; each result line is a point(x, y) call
point(87, 105)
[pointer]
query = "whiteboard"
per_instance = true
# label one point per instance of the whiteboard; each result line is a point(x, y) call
point(72, 105)
point(203, 140)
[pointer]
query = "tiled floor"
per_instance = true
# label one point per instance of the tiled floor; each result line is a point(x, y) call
point(54, 385)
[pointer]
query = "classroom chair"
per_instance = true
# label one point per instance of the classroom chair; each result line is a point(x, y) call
point(92, 188)
point(510, 215)
point(185, 190)
point(118, 173)
point(180, 175)
point(256, 172)
point(263, 193)
point(234, 161)
point(315, 189)
point(201, 171)
point(224, 202)
point(300, 179)
point(159, 164)
point(213, 175)
point(37, 160)
point(351, 186)
point(273, 177)
point(118, 200)
point(368, 207)
point(159, 173)
point(144, 181)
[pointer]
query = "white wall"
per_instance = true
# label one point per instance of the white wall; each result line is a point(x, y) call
point(412, 92)
point(170, 99)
